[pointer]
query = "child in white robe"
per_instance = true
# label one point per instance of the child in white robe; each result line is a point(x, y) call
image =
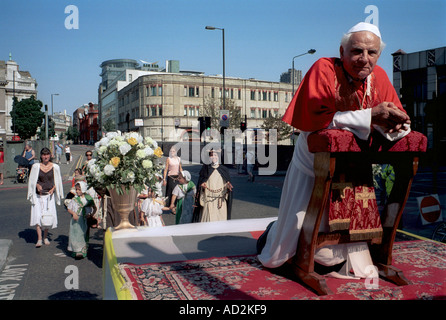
point(152, 209)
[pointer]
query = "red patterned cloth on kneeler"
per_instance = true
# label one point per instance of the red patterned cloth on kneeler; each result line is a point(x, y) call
point(354, 208)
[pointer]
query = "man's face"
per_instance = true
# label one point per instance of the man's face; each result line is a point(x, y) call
point(360, 54)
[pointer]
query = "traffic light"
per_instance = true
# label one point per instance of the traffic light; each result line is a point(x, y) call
point(207, 123)
point(243, 126)
point(202, 124)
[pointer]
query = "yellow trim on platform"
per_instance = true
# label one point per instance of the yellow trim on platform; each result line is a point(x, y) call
point(118, 281)
point(79, 161)
point(414, 235)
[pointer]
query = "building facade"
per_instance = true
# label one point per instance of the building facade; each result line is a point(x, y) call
point(85, 119)
point(420, 79)
point(61, 121)
point(13, 83)
point(287, 77)
point(166, 105)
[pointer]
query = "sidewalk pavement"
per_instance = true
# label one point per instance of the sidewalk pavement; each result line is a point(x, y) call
point(67, 171)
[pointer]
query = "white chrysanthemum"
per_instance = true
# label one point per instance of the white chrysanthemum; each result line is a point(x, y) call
point(91, 163)
point(148, 151)
point(101, 149)
point(148, 140)
point(131, 176)
point(146, 164)
point(124, 148)
point(93, 169)
point(109, 169)
point(141, 154)
point(103, 142)
point(111, 135)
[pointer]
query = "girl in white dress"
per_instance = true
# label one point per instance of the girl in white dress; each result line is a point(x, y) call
point(151, 210)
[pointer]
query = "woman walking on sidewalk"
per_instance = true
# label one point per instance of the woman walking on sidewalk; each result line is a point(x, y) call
point(45, 189)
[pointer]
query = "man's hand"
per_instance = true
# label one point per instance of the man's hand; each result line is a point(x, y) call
point(388, 116)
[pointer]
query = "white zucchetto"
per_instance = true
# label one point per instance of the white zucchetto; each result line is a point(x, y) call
point(364, 26)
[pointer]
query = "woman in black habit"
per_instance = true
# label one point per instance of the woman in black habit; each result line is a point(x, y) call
point(214, 197)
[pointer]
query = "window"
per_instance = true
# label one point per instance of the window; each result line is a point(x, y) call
point(265, 95)
point(253, 95)
point(191, 92)
point(153, 91)
point(153, 111)
point(160, 110)
point(264, 113)
point(276, 96)
point(240, 94)
point(253, 113)
point(160, 90)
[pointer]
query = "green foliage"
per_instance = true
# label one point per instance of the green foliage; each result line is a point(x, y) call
point(26, 117)
point(275, 122)
point(72, 133)
point(109, 125)
point(212, 109)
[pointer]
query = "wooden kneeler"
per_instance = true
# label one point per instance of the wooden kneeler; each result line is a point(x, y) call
point(333, 151)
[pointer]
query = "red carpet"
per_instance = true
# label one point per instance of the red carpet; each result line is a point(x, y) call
point(243, 278)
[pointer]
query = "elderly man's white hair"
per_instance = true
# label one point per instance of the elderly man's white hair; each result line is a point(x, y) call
point(363, 26)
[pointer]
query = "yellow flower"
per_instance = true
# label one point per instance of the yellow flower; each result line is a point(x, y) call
point(158, 152)
point(132, 141)
point(115, 161)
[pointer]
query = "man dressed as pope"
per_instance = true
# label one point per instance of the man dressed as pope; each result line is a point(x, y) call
point(350, 93)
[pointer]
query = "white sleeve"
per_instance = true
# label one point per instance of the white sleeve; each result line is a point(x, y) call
point(395, 135)
point(176, 191)
point(358, 122)
point(145, 205)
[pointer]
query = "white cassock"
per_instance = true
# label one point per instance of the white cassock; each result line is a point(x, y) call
point(281, 243)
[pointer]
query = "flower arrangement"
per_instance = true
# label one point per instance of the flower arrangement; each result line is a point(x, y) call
point(124, 160)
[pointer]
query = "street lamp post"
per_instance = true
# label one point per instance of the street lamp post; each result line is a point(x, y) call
point(52, 110)
point(223, 36)
point(311, 51)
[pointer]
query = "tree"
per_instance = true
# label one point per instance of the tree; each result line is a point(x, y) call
point(51, 129)
point(275, 122)
point(26, 117)
point(212, 109)
point(109, 125)
point(72, 133)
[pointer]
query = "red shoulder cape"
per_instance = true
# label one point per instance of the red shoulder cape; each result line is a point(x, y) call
point(313, 106)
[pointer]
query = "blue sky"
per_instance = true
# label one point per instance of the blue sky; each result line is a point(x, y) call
point(261, 37)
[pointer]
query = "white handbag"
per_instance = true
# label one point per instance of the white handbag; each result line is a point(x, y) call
point(46, 219)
